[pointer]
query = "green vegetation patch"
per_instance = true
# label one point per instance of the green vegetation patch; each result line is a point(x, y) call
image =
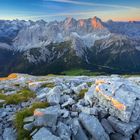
point(89, 84)
point(49, 85)
point(79, 72)
point(21, 115)
point(82, 93)
point(21, 96)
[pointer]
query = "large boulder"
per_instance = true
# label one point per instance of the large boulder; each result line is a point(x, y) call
point(118, 96)
point(63, 131)
point(93, 126)
point(44, 134)
point(47, 116)
point(78, 132)
point(9, 134)
point(53, 96)
point(106, 125)
point(126, 129)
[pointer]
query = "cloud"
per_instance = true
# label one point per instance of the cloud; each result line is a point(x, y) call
point(92, 4)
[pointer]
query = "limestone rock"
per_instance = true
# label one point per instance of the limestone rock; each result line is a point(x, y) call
point(47, 116)
point(118, 136)
point(89, 96)
point(93, 126)
point(45, 134)
point(28, 119)
point(53, 96)
point(63, 131)
point(35, 85)
point(126, 129)
point(9, 134)
point(88, 110)
point(106, 125)
point(118, 95)
point(28, 126)
point(69, 102)
point(80, 87)
point(2, 101)
point(42, 93)
point(79, 133)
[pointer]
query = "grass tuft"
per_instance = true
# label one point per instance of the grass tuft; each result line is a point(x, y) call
point(21, 96)
point(49, 85)
point(89, 84)
point(21, 115)
point(82, 93)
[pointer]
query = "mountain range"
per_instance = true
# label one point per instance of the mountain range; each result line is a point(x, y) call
point(40, 47)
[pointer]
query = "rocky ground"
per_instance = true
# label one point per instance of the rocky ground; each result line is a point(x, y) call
point(69, 108)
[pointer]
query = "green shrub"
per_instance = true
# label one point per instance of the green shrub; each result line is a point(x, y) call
point(21, 133)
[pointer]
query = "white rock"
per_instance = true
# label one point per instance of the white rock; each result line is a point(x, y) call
point(28, 126)
point(69, 102)
point(63, 131)
point(126, 129)
point(44, 134)
point(35, 85)
point(29, 119)
point(79, 134)
point(42, 93)
point(9, 134)
point(93, 126)
point(53, 96)
point(80, 87)
point(119, 96)
point(47, 116)
point(106, 125)
point(91, 111)
point(89, 95)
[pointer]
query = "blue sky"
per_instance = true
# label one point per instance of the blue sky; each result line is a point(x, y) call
point(60, 9)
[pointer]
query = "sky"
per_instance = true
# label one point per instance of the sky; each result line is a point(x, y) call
point(117, 10)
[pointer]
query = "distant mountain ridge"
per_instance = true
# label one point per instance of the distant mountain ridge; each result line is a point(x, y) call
point(95, 45)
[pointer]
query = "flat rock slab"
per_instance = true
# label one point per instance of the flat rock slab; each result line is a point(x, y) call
point(9, 134)
point(93, 126)
point(45, 134)
point(78, 132)
point(47, 116)
point(118, 96)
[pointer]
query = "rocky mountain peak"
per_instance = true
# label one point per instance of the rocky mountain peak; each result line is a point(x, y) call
point(81, 22)
point(97, 23)
point(69, 21)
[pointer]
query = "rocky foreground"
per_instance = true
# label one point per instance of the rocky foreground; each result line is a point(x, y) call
point(69, 108)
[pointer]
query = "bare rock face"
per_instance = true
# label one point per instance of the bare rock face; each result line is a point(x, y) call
point(119, 96)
